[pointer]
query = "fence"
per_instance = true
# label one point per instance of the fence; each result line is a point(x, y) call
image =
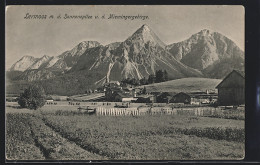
point(199, 111)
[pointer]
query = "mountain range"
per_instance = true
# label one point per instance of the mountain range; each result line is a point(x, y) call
point(90, 64)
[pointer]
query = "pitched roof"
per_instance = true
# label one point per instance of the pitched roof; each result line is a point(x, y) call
point(181, 93)
point(114, 88)
point(123, 95)
point(240, 73)
point(114, 82)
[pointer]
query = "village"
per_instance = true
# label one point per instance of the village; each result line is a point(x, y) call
point(229, 92)
point(115, 98)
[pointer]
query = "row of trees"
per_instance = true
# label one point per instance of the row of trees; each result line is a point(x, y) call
point(160, 76)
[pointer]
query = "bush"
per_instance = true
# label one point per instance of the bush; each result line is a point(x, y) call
point(33, 97)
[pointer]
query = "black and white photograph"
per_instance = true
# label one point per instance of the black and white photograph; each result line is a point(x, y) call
point(124, 82)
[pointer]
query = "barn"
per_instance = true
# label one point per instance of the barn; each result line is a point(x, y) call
point(231, 91)
point(181, 98)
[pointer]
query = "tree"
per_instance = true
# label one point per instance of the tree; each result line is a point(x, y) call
point(33, 97)
point(143, 81)
point(151, 79)
point(144, 90)
point(159, 76)
point(165, 76)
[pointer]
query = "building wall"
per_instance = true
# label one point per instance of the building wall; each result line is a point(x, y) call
point(118, 98)
point(231, 96)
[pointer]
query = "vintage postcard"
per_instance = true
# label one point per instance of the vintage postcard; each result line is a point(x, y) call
point(125, 82)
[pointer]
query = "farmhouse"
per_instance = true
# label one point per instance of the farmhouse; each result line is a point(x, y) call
point(111, 85)
point(231, 91)
point(111, 92)
point(122, 97)
point(181, 98)
point(164, 97)
point(145, 98)
point(115, 83)
point(118, 94)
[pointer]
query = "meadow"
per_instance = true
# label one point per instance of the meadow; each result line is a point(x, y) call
point(193, 84)
point(72, 135)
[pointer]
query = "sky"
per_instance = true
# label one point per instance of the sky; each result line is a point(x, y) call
point(53, 36)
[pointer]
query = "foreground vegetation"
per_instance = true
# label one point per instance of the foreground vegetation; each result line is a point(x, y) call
point(28, 138)
point(152, 137)
point(20, 144)
point(67, 135)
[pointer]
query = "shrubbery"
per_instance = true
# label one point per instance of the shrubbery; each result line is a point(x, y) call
point(33, 97)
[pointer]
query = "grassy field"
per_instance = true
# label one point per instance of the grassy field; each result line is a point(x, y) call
point(184, 85)
point(65, 135)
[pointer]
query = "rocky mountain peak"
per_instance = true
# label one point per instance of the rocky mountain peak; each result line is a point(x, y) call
point(144, 35)
point(24, 63)
point(113, 45)
point(207, 49)
point(205, 53)
point(88, 44)
point(81, 48)
point(145, 28)
point(27, 57)
point(45, 57)
point(205, 32)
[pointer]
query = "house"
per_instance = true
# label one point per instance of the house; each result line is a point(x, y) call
point(209, 96)
point(181, 98)
point(111, 92)
point(164, 97)
point(122, 97)
point(112, 84)
point(115, 83)
point(145, 98)
point(231, 91)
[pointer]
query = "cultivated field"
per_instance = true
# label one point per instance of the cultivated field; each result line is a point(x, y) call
point(66, 134)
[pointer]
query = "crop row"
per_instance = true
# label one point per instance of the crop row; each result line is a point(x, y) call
point(55, 146)
point(20, 144)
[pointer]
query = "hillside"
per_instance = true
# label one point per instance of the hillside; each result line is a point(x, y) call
point(184, 85)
